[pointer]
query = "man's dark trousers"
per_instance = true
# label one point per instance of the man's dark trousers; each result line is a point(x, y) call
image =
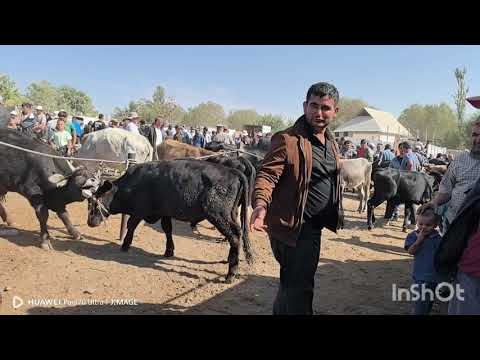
point(297, 271)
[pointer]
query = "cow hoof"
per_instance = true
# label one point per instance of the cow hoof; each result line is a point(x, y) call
point(229, 279)
point(46, 245)
point(125, 248)
point(168, 253)
point(78, 238)
point(369, 228)
point(404, 229)
point(387, 223)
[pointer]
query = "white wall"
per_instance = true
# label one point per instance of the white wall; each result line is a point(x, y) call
point(369, 136)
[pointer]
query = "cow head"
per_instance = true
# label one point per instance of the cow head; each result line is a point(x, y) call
point(99, 203)
point(77, 186)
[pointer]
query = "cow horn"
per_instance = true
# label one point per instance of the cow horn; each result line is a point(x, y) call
point(70, 165)
point(58, 180)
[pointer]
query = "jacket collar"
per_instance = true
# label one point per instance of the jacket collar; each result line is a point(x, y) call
point(302, 129)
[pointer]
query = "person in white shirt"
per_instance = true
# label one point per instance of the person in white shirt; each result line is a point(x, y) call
point(207, 135)
point(132, 124)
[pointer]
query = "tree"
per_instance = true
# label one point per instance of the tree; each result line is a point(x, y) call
point(275, 122)
point(430, 122)
point(74, 101)
point(237, 119)
point(348, 109)
point(460, 96)
point(205, 114)
point(43, 93)
point(9, 92)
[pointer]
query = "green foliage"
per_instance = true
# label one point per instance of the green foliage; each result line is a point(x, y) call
point(274, 121)
point(74, 102)
point(429, 122)
point(43, 93)
point(460, 96)
point(453, 139)
point(9, 92)
point(348, 109)
point(205, 114)
point(238, 118)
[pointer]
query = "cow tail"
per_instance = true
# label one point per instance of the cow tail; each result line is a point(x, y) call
point(2, 198)
point(247, 247)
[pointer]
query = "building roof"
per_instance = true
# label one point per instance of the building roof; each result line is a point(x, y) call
point(371, 120)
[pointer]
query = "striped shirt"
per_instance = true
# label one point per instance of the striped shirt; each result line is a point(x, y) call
point(460, 177)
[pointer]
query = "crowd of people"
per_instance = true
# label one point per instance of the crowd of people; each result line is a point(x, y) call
point(406, 156)
point(64, 133)
point(297, 193)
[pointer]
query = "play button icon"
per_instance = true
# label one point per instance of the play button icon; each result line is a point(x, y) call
point(17, 302)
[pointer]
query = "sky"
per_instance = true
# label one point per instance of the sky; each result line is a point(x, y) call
point(270, 79)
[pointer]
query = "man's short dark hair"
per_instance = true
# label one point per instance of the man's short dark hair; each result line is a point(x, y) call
point(388, 146)
point(322, 89)
point(27, 105)
point(363, 141)
point(406, 145)
point(62, 114)
point(100, 116)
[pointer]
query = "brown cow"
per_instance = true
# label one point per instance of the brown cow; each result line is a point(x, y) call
point(173, 149)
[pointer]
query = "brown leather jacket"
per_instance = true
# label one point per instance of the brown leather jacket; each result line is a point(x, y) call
point(282, 183)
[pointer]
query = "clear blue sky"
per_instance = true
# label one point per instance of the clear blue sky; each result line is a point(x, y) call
point(271, 79)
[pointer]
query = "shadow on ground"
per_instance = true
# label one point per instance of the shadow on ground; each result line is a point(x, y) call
point(350, 287)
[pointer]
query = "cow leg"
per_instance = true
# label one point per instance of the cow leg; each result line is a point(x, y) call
point(407, 214)
point(232, 231)
point(361, 196)
point(4, 215)
point(132, 224)
point(194, 226)
point(366, 195)
point(42, 215)
point(167, 229)
point(371, 205)
point(63, 215)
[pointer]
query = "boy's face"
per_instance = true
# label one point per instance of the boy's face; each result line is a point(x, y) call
point(61, 125)
point(426, 224)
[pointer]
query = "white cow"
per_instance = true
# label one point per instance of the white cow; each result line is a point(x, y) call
point(357, 174)
point(114, 144)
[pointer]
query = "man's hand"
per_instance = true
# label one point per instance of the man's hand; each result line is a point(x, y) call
point(257, 219)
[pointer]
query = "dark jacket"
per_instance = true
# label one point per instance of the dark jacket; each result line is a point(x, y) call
point(151, 136)
point(455, 240)
point(282, 183)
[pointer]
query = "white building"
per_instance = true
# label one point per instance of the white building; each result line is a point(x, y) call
point(373, 126)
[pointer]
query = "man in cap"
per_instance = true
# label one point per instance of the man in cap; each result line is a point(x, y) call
point(132, 125)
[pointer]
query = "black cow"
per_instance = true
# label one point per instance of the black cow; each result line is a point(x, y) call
point(48, 184)
point(186, 190)
point(399, 187)
point(255, 154)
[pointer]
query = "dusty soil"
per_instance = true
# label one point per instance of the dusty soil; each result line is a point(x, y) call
point(355, 274)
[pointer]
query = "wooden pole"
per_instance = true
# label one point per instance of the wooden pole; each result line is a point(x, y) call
point(123, 225)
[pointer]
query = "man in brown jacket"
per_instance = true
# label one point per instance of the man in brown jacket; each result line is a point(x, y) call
point(297, 194)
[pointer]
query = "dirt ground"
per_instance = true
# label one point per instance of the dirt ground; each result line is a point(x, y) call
point(355, 274)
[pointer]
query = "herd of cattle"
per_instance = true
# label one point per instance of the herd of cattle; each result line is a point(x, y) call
point(180, 186)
